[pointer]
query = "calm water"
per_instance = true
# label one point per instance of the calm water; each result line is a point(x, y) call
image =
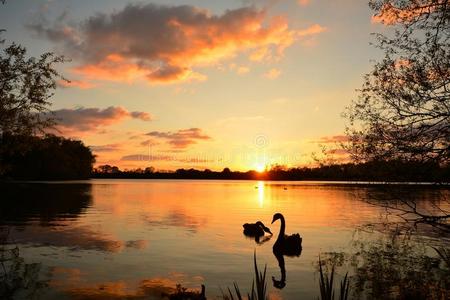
point(115, 239)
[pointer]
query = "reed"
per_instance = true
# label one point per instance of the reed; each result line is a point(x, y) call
point(326, 284)
point(258, 291)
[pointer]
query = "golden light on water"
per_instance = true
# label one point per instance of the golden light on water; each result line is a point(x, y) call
point(261, 193)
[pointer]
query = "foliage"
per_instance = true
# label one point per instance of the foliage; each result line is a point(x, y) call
point(18, 280)
point(326, 284)
point(50, 157)
point(395, 266)
point(403, 109)
point(182, 293)
point(261, 286)
point(26, 85)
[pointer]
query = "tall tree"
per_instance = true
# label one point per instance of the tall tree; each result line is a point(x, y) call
point(403, 108)
point(26, 85)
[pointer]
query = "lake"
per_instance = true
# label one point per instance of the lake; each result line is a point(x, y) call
point(138, 239)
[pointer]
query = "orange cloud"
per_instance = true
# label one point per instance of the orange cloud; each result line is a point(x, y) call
point(148, 143)
point(241, 70)
point(162, 157)
point(390, 14)
point(312, 30)
point(165, 43)
point(272, 74)
point(106, 148)
point(303, 2)
point(81, 84)
point(113, 67)
point(332, 139)
point(182, 138)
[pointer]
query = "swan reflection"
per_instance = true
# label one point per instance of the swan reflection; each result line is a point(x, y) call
point(285, 245)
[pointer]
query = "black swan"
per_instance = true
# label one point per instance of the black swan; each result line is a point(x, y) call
point(255, 229)
point(284, 245)
point(290, 245)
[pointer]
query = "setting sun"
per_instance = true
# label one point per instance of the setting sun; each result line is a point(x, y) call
point(260, 168)
point(170, 149)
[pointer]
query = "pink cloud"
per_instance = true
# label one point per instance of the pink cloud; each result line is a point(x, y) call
point(163, 157)
point(89, 120)
point(182, 138)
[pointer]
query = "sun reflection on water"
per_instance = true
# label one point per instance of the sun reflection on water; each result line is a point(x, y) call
point(261, 193)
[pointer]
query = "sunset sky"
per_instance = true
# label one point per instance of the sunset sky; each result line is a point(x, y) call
point(202, 84)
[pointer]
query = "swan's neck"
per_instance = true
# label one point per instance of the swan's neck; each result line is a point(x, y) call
point(282, 228)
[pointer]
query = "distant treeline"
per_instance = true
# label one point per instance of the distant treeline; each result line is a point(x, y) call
point(44, 158)
point(384, 171)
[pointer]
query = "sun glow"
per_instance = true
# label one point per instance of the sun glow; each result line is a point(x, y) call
point(260, 168)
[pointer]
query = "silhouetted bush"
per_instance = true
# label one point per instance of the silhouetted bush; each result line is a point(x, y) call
point(49, 157)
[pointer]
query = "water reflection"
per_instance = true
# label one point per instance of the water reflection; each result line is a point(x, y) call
point(47, 203)
point(70, 283)
point(18, 279)
point(54, 208)
point(177, 218)
point(260, 188)
point(425, 211)
point(394, 267)
point(125, 236)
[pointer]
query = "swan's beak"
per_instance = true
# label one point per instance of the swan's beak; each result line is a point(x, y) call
point(273, 220)
point(266, 229)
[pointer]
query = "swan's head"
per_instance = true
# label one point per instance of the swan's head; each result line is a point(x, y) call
point(266, 229)
point(277, 216)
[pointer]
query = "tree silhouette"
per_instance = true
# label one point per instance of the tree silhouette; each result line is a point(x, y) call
point(26, 84)
point(403, 108)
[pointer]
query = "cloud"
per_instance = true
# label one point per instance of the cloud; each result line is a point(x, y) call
point(303, 2)
point(272, 74)
point(391, 15)
point(81, 84)
point(182, 138)
point(141, 115)
point(106, 148)
point(149, 143)
point(146, 157)
point(88, 120)
point(159, 157)
point(338, 152)
point(240, 70)
point(239, 120)
point(312, 30)
point(166, 43)
point(332, 139)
